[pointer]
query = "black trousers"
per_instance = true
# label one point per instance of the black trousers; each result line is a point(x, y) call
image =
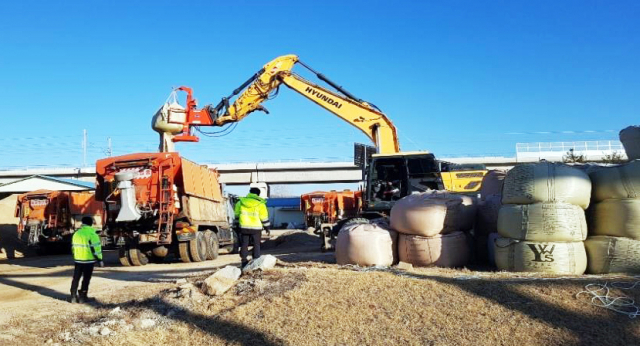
point(84, 270)
point(244, 245)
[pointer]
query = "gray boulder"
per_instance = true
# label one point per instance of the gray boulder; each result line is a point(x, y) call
point(221, 281)
point(261, 263)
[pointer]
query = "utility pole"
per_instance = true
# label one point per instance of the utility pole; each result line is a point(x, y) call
point(84, 148)
point(109, 150)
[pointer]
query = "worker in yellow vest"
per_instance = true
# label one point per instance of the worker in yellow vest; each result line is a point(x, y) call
point(87, 250)
point(251, 218)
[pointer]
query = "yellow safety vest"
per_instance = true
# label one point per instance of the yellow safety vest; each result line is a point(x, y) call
point(85, 243)
point(251, 212)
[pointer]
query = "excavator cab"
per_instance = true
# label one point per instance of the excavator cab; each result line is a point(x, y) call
point(391, 177)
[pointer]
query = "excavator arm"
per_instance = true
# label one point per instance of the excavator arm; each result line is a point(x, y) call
point(266, 82)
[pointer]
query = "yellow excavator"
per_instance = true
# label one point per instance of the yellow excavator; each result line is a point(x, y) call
point(389, 175)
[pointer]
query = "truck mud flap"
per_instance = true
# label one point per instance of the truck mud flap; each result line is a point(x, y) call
point(186, 236)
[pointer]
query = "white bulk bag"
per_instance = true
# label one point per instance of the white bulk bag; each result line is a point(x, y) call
point(546, 182)
point(616, 217)
point(621, 181)
point(545, 257)
point(543, 222)
point(613, 255)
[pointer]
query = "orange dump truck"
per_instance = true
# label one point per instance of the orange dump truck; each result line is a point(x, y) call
point(157, 204)
point(49, 218)
point(322, 209)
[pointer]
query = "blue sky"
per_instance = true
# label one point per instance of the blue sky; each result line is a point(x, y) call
point(456, 77)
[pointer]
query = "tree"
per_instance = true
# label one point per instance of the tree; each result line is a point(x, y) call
point(613, 158)
point(572, 157)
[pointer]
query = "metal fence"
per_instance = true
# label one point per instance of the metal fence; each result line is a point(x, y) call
point(579, 146)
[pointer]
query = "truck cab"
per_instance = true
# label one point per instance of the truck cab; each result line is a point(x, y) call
point(391, 177)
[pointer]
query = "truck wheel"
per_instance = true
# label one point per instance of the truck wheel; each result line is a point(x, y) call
point(198, 248)
point(213, 246)
point(137, 258)
point(123, 256)
point(183, 251)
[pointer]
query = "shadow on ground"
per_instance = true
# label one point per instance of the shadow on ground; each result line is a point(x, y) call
point(230, 332)
point(505, 292)
point(10, 245)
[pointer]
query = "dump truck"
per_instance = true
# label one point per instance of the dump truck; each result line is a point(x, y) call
point(324, 209)
point(48, 219)
point(158, 204)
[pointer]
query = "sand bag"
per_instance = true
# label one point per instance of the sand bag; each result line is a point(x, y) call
point(621, 181)
point(492, 183)
point(366, 245)
point(630, 138)
point(616, 217)
point(487, 216)
point(448, 250)
point(469, 207)
point(613, 255)
point(544, 257)
point(543, 222)
point(427, 215)
point(546, 182)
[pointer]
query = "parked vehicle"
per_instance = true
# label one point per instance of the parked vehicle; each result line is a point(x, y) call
point(48, 219)
point(162, 203)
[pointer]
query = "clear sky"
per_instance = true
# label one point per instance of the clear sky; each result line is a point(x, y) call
point(457, 77)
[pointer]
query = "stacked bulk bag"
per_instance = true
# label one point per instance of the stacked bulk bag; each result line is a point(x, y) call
point(486, 226)
point(492, 183)
point(542, 223)
point(469, 206)
point(614, 242)
point(366, 244)
point(546, 182)
point(630, 138)
point(613, 254)
point(548, 257)
point(426, 215)
point(442, 250)
point(432, 228)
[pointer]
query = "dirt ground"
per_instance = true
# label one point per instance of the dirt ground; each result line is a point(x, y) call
point(306, 300)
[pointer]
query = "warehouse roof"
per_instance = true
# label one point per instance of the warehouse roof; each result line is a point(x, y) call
point(43, 182)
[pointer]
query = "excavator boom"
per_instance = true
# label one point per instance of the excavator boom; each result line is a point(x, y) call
point(257, 89)
point(412, 172)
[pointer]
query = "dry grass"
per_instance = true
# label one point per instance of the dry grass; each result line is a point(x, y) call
point(311, 304)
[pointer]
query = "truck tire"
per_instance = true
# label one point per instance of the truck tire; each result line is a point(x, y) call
point(123, 256)
point(137, 258)
point(183, 251)
point(213, 247)
point(198, 248)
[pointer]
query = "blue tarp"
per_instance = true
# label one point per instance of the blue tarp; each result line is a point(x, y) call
point(284, 202)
